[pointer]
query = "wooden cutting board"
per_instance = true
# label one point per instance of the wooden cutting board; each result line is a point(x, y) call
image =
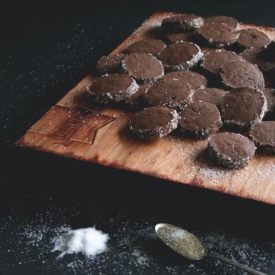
point(73, 128)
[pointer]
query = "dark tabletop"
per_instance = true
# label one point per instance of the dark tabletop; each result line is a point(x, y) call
point(45, 51)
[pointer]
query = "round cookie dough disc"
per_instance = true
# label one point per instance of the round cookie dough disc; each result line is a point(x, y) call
point(263, 135)
point(199, 119)
point(230, 150)
point(180, 56)
point(143, 67)
point(238, 73)
point(153, 122)
point(112, 88)
point(172, 93)
point(243, 107)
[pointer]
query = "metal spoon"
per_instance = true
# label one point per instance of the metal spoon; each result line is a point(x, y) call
point(189, 246)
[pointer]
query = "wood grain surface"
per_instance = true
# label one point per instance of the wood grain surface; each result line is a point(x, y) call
point(74, 128)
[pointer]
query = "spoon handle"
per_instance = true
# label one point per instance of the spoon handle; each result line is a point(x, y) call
point(235, 263)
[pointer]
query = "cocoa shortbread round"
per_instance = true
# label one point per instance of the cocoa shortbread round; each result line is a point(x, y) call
point(258, 57)
point(180, 56)
point(148, 45)
point(143, 67)
point(153, 122)
point(269, 94)
point(182, 22)
point(199, 119)
point(112, 88)
point(243, 107)
point(212, 95)
point(194, 79)
point(222, 20)
point(137, 100)
point(212, 62)
point(241, 73)
point(176, 37)
point(252, 38)
point(173, 93)
point(110, 63)
point(263, 135)
point(268, 52)
point(230, 150)
point(217, 35)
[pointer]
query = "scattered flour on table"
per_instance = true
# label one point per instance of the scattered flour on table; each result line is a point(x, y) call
point(88, 241)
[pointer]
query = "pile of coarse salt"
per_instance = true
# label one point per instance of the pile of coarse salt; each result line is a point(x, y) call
point(87, 241)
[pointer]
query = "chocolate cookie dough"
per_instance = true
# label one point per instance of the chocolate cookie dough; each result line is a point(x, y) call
point(199, 119)
point(194, 79)
point(263, 135)
point(182, 22)
point(112, 88)
point(153, 122)
point(240, 73)
point(143, 67)
point(243, 107)
point(173, 93)
point(230, 150)
point(180, 56)
point(149, 45)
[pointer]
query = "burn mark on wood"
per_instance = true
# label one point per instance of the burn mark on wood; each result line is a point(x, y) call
point(76, 124)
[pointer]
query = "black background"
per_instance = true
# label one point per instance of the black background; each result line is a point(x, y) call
point(45, 50)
